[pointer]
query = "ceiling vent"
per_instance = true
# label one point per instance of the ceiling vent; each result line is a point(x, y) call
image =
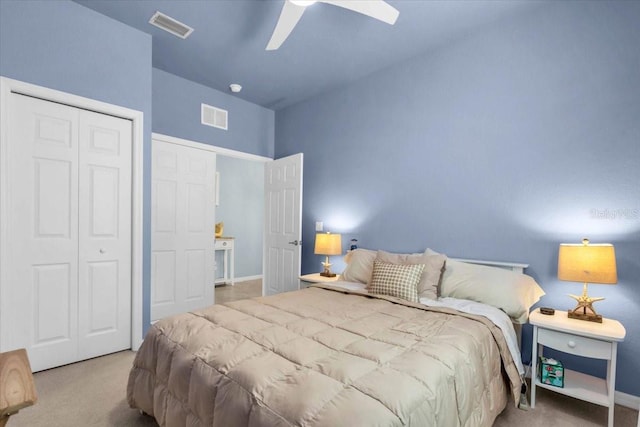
point(213, 116)
point(170, 25)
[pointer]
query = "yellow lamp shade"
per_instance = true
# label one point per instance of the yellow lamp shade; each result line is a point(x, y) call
point(328, 244)
point(587, 263)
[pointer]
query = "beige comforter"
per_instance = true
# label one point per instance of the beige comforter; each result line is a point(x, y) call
point(321, 357)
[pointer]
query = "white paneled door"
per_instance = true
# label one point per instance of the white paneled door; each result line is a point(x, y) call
point(283, 224)
point(68, 293)
point(104, 259)
point(182, 228)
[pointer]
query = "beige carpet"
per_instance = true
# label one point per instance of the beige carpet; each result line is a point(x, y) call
point(92, 393)
point(553, 409)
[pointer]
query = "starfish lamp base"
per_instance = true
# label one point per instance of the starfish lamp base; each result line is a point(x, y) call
point(327, 269)
point(584, 316)
point(584, 310)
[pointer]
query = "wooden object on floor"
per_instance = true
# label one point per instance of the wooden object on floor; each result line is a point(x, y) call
point(17, 389)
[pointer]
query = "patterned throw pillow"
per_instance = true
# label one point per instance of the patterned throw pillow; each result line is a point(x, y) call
point(428, 286)
point(396, 280)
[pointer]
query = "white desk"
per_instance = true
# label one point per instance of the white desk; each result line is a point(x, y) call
point(226, 244)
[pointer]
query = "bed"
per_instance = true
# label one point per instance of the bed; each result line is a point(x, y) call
point(341, 354)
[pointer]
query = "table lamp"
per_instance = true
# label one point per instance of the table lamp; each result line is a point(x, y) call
point(328, 244)
point(587, 263)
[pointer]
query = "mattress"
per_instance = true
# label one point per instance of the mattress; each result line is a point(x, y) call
point(324, 356)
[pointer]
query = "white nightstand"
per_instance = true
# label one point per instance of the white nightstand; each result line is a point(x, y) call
point(309, 279)
point(581, 338)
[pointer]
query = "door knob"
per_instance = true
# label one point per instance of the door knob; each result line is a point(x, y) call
point(102, 250)
point(296, 243)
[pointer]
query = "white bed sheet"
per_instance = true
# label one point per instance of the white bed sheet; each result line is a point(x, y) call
point(497, 316)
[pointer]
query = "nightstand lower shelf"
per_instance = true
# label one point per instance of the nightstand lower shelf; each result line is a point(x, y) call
point(581, 386)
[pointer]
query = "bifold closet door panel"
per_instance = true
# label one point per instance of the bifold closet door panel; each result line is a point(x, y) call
point(104, 268)
point(40, 300)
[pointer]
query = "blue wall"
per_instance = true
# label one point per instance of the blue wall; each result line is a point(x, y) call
point(65, 46)
point(176, 112)
point(68, 47)
point(242, 211)
point(498, 146)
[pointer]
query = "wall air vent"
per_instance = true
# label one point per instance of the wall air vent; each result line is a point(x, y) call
point(213, 116)
point(170, 25)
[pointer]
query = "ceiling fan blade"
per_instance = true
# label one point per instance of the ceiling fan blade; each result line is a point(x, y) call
point(378, 9)
point(289, 17)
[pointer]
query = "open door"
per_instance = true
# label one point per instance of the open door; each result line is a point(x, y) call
point(282, 225)
point(182, 228)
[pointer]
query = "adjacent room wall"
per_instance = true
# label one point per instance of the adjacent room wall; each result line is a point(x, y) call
point(67, 47)
point(498, 146)
point(242, 211)
point(176, 112)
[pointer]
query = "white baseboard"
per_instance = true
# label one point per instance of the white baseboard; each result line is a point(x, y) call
point(247, 278)
point(628, 400)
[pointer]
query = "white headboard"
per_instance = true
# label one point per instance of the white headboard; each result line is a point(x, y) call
point(513, 266)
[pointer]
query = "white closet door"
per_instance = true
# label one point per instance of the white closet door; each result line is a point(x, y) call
point(40, 302)
point(182, 229)
point(60, 294)
point(104, 268)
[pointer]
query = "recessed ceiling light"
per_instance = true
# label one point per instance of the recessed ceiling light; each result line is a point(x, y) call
point(170, 25)
point(235, 87)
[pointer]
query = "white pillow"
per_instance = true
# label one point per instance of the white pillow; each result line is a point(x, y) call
point(359, 266)
point(514, 293)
